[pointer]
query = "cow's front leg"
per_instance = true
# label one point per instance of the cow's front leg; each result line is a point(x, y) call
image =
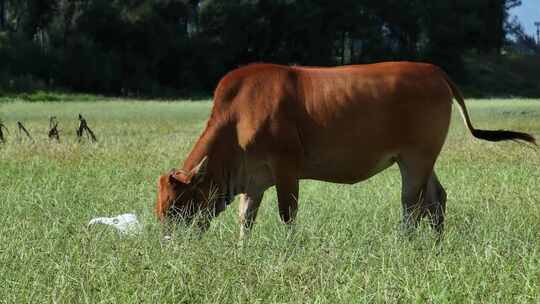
point(287, 192)
point(249, 205)
point(285, 164)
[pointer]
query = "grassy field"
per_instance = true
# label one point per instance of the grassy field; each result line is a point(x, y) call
point(347, 247)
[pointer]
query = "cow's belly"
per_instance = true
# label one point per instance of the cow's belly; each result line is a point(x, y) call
point(347, 167)
point(360, 142)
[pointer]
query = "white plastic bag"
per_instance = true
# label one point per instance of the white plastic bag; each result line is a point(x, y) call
point(125, 224)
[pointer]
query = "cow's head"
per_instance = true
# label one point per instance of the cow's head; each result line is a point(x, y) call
point(184, 196)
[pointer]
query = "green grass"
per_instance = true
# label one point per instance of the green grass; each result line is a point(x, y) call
point(347, 247)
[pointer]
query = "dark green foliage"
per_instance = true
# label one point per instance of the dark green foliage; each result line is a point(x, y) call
point(169, 47)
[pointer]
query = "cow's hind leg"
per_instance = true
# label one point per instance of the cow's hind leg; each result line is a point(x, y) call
point(435, 203)
point(415, 173)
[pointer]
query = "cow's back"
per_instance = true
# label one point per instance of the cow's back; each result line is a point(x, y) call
point(345, 123)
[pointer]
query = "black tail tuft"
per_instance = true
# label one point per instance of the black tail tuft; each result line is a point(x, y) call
point(501, 135)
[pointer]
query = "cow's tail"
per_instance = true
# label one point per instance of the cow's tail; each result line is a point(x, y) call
point(489, 135)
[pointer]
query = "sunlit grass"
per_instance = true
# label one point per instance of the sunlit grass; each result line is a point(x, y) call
point(347, 246)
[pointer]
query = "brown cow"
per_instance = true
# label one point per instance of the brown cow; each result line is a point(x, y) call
point(274, 125)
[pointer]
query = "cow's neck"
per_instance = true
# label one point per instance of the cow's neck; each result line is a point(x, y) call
point(225, 164)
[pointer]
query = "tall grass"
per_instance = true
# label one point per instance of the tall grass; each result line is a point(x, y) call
point(347, 246)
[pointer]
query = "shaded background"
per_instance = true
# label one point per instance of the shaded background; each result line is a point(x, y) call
point(168, 48)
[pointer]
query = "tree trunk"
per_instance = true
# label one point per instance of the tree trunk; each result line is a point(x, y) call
point(351, 50)
point(2, 14)
point(343, 47)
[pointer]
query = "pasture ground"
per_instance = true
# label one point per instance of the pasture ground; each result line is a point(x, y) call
point(347, 247)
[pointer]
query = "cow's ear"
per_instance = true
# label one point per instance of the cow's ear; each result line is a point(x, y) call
point(179, 176)
point(199, 172)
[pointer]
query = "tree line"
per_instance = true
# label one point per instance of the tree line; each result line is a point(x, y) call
point(157, 47)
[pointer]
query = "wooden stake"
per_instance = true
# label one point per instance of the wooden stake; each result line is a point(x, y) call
point(83, 127)
point(22, 129)
point(53, 132)
point(2, 126)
